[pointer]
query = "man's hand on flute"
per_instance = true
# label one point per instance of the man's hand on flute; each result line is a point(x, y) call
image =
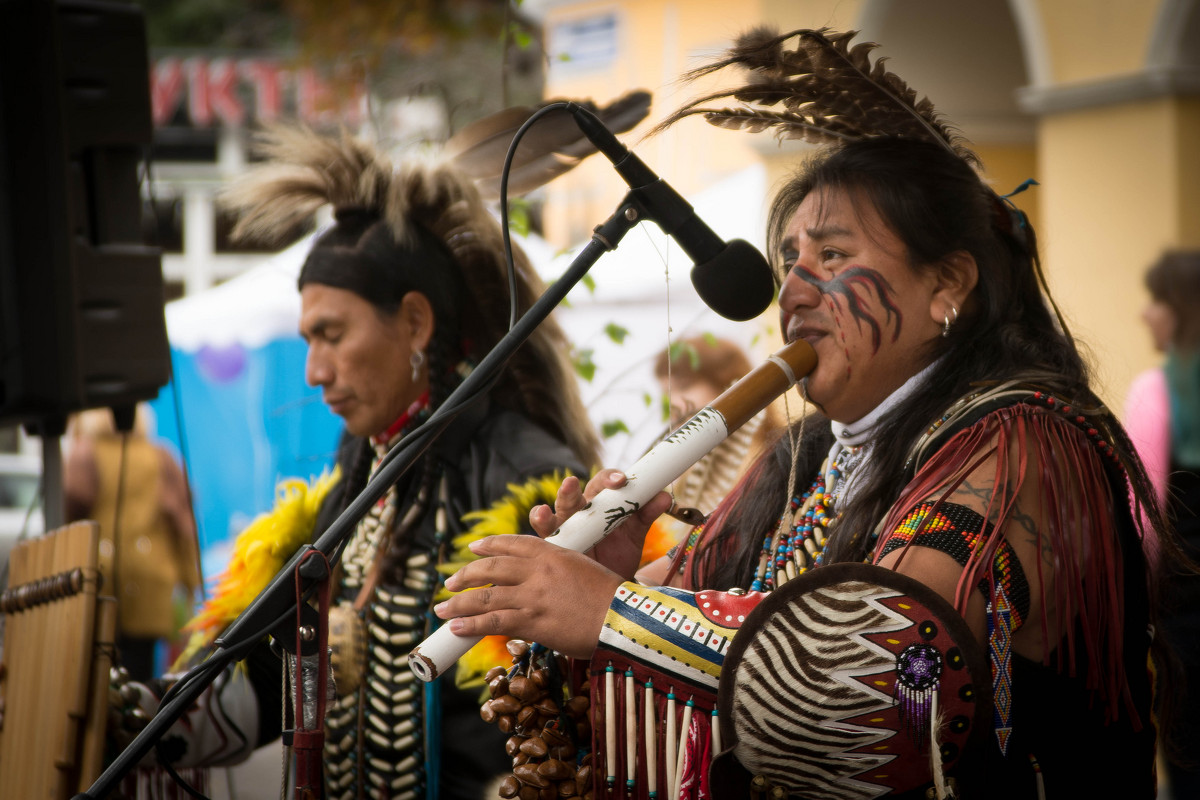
point(621, 550)
point(537, 591)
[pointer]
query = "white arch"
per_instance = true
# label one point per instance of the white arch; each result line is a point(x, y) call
point(1175, 41)
point(1032, 33)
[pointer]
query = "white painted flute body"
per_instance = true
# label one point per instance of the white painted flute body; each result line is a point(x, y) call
point(665, 462)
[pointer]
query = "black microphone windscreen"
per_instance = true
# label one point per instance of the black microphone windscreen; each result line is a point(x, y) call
point(737, 283)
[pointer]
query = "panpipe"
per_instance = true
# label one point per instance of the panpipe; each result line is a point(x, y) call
point(54, 671)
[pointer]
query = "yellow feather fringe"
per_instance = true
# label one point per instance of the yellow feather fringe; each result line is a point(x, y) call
point(259, 553)
point(271, 539)
point(508, 515)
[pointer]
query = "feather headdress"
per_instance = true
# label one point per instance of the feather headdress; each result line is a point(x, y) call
point(551, 147)
point(821, 91)
point(304, 171)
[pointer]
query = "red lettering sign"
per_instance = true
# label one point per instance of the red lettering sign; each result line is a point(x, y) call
point(166, 89)
point(222, 87)
point(223, 91)
point(267, 79)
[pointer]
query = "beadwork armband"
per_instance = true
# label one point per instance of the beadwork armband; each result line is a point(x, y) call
point(674, 631)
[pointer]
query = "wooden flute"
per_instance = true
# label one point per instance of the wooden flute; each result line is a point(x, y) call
point(654, 471)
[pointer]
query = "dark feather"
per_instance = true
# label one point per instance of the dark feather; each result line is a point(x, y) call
point(551, 147)
point(822, 91)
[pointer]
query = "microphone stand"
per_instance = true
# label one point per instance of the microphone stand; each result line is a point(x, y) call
point(277, 605)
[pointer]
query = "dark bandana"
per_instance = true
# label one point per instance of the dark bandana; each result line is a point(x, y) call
point(360, 254)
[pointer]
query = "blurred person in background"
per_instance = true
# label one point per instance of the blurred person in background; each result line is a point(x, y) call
point(136, 491)
point(1162, 415)
point(691, 373)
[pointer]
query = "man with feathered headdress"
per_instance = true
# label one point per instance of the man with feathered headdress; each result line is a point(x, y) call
point(400, 299)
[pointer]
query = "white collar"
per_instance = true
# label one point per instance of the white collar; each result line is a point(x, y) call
point(859, 432)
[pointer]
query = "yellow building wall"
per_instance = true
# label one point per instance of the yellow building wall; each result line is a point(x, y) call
point(789, 15)
point(1112, 189)
point(658, 41)
point(1188, 174)
point(1090, 39)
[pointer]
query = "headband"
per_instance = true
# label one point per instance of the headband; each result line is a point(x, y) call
point(361, 255)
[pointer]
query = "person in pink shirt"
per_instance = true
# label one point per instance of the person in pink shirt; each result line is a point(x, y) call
point(1162, 416)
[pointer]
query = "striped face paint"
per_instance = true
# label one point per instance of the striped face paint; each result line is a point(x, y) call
point(851, 292)
point(859, 296)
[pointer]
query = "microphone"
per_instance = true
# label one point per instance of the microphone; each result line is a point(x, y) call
point(733, 279)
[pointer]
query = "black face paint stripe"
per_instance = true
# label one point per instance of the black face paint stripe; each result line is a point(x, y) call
point(843, 286)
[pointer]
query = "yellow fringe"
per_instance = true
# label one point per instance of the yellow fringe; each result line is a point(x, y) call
point(271, 539)
point(259, 552)
point(508, 515)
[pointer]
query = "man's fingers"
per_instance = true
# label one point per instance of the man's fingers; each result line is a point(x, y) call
point(489, 624)
point(569, 499)
point(604, 479)
point(542, 520)
point(654, 508)
point(506, 561)
point(477, 601)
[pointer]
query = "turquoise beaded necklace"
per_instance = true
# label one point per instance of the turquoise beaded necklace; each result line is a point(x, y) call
point(797, 542)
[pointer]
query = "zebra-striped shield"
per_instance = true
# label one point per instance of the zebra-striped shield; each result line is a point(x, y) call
point(843, 683)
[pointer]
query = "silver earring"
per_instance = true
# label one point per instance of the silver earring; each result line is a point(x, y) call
point(417, 360)
point(948, 322)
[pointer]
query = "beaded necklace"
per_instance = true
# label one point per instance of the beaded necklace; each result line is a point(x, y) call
point(797, 542)
point(373, 529)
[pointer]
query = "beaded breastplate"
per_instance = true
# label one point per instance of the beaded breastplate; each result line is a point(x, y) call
point(378, 730)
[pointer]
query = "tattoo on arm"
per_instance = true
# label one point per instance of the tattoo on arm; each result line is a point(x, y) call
point(981, 493)
point(1017, 516)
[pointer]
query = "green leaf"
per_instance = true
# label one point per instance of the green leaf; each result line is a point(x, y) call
point(612, 427)
point(590, 283)
point(585, 367)
point(616, 332)
point(647, 399)
point(518, 216)
point(678, 350)
point(666, 408)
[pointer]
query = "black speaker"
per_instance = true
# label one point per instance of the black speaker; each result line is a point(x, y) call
point(81, 297)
